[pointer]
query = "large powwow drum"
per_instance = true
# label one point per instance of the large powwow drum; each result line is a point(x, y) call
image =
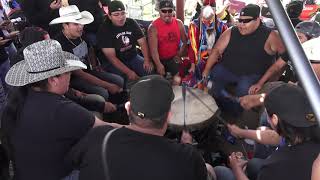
point(200, 109)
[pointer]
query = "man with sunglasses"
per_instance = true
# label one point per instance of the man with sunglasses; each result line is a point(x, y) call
point(118, 37)
point(240, 58)
point(164, 36)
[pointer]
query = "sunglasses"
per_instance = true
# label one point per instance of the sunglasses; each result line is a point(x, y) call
point(166, 10)
point(245, 20)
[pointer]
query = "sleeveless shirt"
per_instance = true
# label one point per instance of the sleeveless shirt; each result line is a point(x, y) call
point(245, 54)
point(168, 38)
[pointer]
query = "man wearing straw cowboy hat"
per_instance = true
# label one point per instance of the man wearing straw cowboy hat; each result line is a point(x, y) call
point(93, 80)
point(39, 124)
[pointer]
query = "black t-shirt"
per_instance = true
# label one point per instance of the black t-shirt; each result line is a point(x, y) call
point(48, 127)
point(74, 46)
point(122, 39)
point(78, 47)
point(294, 163)
point(289, 73)
point(135, 155)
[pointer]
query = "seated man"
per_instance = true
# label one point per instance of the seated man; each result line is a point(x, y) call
point(291, 116)
point(241, 64)
point(118, 37)
point(164, 36)
point(140, 146)
point(93, 80)
point(203, 33)
point(306, 31)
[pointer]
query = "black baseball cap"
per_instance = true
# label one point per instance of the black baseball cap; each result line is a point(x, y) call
point(151, 97)
point(116, 6)
point(310, 28)
point(251, 10)
point(166, 4)
point(289, 102)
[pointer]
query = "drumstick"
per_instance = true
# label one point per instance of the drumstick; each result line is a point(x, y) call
point(193, 94)
point(184, 87)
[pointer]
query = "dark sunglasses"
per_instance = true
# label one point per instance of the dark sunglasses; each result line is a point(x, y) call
point(245, 20)
point(166, 10)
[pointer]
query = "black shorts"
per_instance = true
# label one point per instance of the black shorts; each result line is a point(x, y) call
point(171, 66)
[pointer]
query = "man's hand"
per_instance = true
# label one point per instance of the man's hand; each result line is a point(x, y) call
point(205, 74)
point(4, 24)
point(160, 69)
point(186, 137)
point(132, 75)
point(235, 130)
point(237, 162)
point(79, 93)
point(114, 89)
point(192, 68)
point(148, 66)
point(3, 41)
point(316, 169)
point(177, 59)
point(254, 88)
point(109, 107)
point(250, 101)
point(13, 34)
point(56, 4)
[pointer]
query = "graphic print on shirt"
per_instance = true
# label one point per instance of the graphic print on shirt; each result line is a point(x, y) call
point(81, 51)
point(124, 38)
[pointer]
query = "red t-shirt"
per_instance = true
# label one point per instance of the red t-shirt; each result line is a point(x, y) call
point(168, 38)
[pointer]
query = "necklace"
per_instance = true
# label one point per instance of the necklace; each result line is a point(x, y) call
point(71, 41)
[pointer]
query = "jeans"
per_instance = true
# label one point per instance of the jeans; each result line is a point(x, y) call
point(224, 173)
point(109, 77)
point(2, 97)
point(11, 50)
point(74, 175)
point(135, 64)
point(4, 68)
point(222, 77)
point(253, 168)
point(82, 85)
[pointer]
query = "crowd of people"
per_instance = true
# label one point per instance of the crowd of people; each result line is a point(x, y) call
point(79, 63)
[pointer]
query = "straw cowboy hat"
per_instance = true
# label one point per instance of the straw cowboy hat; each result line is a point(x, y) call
point(312, 49)
point(71, 14)
point(42, 60)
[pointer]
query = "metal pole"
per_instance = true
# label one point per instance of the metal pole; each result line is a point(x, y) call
point(306, 75)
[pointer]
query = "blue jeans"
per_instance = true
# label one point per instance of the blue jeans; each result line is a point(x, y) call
point(84, 86)
point(222, 77)
point(224, 173)
point(4, 68)
point(74, 175)
point(253, 167)
point(109, 77)
point(2, 97)
point(135, 64)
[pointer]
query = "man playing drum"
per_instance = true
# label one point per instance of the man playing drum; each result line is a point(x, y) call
point(247, 51)
point(138, 151)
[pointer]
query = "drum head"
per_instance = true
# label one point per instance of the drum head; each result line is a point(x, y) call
point(197, 111)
